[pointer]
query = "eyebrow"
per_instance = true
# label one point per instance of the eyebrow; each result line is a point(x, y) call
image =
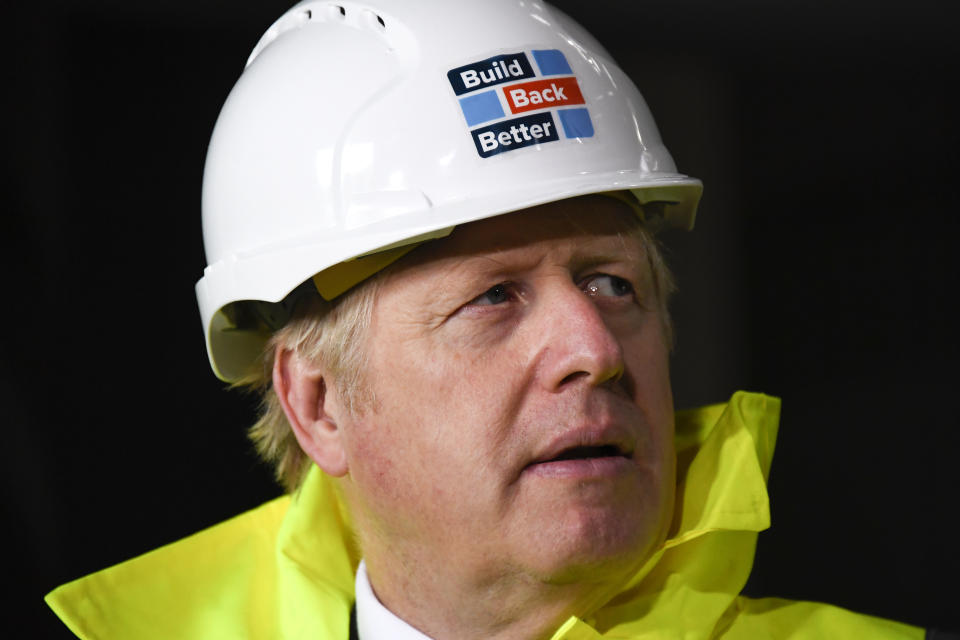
point(501, 263)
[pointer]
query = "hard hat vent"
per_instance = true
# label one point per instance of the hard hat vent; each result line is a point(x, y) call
point(306, 12)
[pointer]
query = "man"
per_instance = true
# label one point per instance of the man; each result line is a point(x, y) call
point(429, 228)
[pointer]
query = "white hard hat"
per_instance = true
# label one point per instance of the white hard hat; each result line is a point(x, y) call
point(360, 129)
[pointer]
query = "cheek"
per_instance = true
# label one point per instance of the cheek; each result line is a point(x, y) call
point(395, 486)
point(376, 466)
point(647, 364)
point(450, 430)
point(427, 444)
point(456, 403)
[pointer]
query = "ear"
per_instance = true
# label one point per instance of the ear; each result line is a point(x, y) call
point(302, 391)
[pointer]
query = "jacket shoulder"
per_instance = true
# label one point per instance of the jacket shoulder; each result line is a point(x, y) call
point(771, 618)
point(182, 589)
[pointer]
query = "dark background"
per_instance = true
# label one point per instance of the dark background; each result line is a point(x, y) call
point(822, 270)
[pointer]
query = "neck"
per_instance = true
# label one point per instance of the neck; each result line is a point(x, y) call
point(445, 606)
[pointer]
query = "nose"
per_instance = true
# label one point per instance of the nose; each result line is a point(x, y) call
point(576, 344)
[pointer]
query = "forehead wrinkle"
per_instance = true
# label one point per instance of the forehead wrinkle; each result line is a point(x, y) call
point(503, 260)
point(609, 249)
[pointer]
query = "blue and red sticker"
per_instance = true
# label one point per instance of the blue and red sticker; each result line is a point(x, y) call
point(492, 91)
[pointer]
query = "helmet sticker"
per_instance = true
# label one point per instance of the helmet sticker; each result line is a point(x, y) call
point(543, 93)
point(491, 90)
point(514, 134)
point(490, 72)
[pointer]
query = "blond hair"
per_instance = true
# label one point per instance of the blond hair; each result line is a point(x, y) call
point(333, 334)
point(330, 333)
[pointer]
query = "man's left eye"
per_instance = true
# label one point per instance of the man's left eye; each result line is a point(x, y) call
point(607, 286)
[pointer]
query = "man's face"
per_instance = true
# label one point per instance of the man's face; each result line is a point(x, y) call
point(522, 418)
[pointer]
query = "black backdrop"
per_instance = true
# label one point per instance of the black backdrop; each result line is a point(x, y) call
point(822, 270)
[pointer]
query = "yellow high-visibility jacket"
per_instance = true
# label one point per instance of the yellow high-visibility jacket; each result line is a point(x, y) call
point(286, 569)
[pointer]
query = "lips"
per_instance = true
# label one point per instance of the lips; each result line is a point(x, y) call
point(584, 452)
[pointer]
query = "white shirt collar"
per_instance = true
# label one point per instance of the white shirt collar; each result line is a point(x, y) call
point(375, 621)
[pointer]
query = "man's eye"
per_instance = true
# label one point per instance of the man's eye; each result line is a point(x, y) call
point(496, 294)
point(608, 286)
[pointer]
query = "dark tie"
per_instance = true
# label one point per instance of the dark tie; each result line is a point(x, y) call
point(353, 623)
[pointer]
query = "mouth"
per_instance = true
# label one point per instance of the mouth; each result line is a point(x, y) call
point(583, 462)
point(587, 452)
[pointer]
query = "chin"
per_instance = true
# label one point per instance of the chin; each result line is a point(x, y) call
point(591, 548)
